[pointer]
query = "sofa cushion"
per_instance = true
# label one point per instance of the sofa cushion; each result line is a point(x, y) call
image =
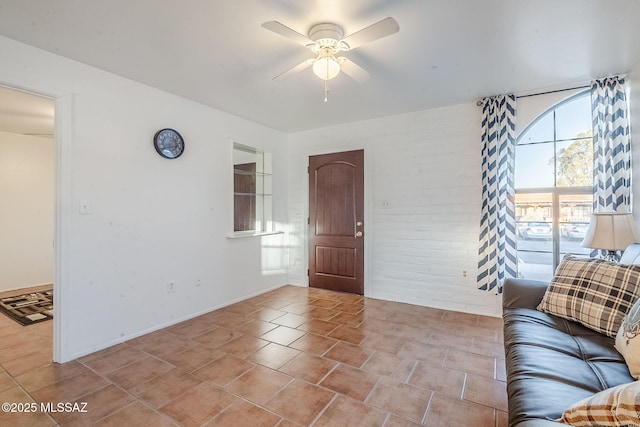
point(628, 339)
point(594, 292)
point(616, 406)
point(553, 362)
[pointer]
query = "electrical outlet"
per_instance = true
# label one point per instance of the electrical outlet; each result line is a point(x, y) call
point(171, 286)
point(464, 273)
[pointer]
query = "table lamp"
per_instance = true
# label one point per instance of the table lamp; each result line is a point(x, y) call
point(612, 232)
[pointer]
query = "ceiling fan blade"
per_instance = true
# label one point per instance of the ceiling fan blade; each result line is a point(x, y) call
point(287, 32)
point(376, 31)
point(291, 71)
point(353, 70)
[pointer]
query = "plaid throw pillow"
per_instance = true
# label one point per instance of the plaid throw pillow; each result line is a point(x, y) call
point(616, 406)
point(594, 292)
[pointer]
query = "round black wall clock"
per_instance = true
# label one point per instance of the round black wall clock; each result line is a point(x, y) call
point(168, 143)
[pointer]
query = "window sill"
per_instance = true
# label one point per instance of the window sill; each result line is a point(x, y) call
point(241, 234)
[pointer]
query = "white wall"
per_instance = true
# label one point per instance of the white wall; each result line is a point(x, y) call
point(26, 210)
point(152, 220)
point(426, 167)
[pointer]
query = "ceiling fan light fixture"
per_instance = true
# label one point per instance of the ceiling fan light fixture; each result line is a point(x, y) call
point(326, 67)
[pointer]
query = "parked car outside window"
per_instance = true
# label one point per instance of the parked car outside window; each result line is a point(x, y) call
point(535, 230)
point(574, 230)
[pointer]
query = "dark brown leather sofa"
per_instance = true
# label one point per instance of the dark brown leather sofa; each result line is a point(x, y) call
point(551, 362)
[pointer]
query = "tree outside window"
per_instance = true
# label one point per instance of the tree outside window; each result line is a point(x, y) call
point(575, 163)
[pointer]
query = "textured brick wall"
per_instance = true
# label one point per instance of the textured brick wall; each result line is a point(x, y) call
point(423, 183)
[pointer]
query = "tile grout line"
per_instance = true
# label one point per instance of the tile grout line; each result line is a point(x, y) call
point(329, 372)
point(413, 370)
point(371, 392)
point(135, 398)
point(335, 396)
point(387, 419)
point(19, 386)
point(464, 385)
point(426, 411)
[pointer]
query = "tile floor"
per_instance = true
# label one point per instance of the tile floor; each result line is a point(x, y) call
point(291, 357)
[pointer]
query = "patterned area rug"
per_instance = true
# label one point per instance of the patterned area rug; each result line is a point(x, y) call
point(30, 308)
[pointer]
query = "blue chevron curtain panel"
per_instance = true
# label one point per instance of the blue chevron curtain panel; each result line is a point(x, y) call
point(497, 255)
point(611, 146)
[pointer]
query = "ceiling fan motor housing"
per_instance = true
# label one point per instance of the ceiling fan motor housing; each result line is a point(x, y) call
point(326, 35)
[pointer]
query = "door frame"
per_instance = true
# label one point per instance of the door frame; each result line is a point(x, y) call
point(367, 229)
point(63, 207)
point(62, 143)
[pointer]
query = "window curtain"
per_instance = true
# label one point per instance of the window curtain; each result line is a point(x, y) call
point(497, 255)
point(611, 146)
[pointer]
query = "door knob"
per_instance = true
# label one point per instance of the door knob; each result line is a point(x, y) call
point(359, 223)
point(358, 233)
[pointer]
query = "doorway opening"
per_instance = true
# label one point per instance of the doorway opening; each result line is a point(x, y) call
point(27, 213)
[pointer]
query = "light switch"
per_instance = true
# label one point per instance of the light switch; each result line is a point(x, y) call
point(85, 207)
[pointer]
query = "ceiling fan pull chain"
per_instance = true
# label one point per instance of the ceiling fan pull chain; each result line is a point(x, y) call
point(326, 91)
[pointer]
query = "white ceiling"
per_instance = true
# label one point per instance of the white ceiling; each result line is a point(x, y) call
point(447, 51)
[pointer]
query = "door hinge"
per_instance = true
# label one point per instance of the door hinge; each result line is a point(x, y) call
point(308, 170)
point(308, 220)
point(307, 271)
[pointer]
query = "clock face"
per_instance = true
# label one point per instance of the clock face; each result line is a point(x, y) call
point(168, 143)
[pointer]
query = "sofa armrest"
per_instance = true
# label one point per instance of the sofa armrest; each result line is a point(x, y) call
point(539, 423)
point(522, 293)
point(631, 255)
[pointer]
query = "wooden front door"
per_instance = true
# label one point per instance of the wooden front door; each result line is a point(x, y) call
point(336, 215)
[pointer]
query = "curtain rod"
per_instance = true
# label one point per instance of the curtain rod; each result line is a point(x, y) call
point(479, 103)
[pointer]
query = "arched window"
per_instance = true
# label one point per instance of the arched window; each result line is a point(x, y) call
point(554, 190)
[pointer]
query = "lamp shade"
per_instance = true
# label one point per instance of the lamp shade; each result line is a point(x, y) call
point(610, 231)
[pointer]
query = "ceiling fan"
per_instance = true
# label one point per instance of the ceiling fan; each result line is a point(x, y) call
point(326, 41)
